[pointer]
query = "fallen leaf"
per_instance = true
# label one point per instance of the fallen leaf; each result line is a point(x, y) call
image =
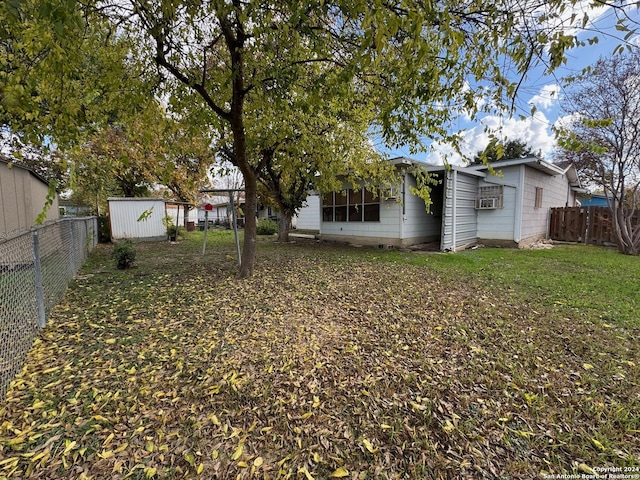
point(340, 473)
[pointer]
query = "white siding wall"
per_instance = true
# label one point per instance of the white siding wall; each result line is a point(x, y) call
point(175, 210)
point(554, 194)
point(218, 213)
point(125, 212)
point(309, 215)
point(262, 214)
point(386, 231)
point(221, 213)
point(499, 224)
point(418, 225)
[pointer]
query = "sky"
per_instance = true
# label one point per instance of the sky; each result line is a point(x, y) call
point(543, 91)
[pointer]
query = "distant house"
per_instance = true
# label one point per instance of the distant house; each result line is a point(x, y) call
point(593, 200)
point(470, 205)
point(23, 196)
point(308, 217)
point(175, 211)
point(220, 211)
point(70, 209)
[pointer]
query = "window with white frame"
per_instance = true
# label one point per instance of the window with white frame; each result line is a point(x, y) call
point(490, 197)
point(538, 203)
point(351, 206)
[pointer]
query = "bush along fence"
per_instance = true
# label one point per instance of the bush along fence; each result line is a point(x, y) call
point(592, 225)
point(36, 267)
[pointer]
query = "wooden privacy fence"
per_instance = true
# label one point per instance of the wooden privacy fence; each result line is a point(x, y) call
point(583, 224)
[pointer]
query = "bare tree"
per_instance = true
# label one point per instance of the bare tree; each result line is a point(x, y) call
point(603, 138)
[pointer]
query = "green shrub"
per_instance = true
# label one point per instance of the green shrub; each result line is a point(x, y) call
point(266, 227)
point(172, 232)
point(172, 229)
point(124, 254)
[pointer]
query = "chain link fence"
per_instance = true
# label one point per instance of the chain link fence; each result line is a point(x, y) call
point(35, 269)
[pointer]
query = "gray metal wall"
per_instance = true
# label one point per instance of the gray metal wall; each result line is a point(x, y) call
point(465, 222)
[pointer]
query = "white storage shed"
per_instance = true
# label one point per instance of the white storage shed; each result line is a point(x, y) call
point(137, 218)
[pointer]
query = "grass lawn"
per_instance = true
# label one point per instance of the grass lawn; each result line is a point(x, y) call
point(333, 362)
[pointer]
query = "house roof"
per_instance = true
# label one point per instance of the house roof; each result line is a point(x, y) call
point(405, 161)
point(9, 161)
point(432, 167)
point(560, 168)
point(456, 168)
point(570, 170)
point(533, 162)
point(598, 195)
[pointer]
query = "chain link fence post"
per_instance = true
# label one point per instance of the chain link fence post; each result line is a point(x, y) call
point(42, 320)
point(72, 249)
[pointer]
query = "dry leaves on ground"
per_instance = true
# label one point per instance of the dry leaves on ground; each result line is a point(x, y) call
point(319, 366)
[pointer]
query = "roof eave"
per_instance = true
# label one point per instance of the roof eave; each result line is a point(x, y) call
point(533, 162)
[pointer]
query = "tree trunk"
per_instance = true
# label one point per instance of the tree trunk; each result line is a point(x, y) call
point(284, 225)
point(249, 245)
point(624, 230)
point(186, 217)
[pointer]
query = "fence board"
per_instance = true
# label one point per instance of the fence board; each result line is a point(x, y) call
point(591, 225)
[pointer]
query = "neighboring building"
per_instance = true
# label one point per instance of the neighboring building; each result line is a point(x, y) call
point(175, 211)
point(23, 196)
point(220, 213)
point(70, 209)
point(137, 218)
point(593, 200)
point(267, 212)
point(308, 217)
point(470, 206)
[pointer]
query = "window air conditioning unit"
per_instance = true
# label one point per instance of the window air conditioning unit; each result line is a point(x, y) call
point(487, 203)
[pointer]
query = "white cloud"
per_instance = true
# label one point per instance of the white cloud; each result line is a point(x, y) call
point(571, 18)
point(548, 96)
point(534, 131)
point(479, 100)
point(567, 120)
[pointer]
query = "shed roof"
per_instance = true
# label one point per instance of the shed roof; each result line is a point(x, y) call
point(9, 161)
point(135, 199)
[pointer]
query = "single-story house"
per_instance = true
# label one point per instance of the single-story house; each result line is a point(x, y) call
point(70, 209)
point(220, 211)
point(470, 205)
point(593, 200)
point(175, 211)
point(23, 196)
